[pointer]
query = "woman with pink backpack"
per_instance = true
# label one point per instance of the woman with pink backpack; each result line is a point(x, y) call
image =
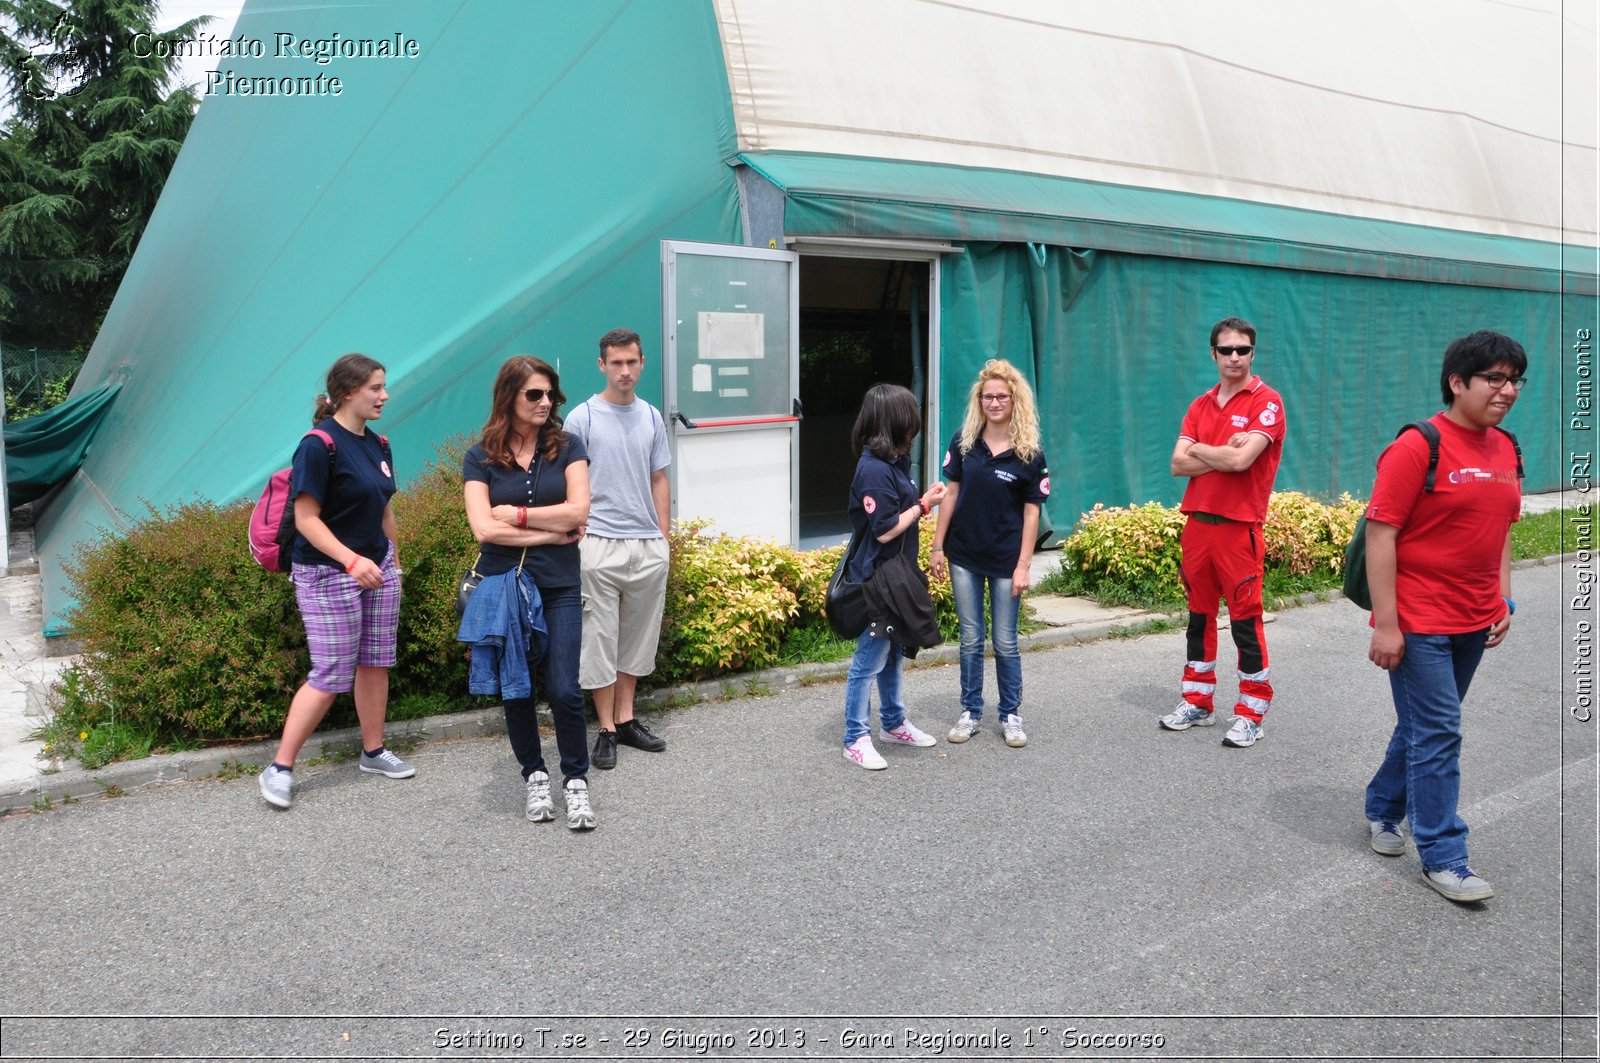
point(346, 571)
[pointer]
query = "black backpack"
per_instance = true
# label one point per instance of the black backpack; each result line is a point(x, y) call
point(1355, 553)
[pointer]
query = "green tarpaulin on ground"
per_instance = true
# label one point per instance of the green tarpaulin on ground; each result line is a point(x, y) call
point(44, 450)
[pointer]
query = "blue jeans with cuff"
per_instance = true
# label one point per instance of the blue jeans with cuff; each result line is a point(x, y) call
point(875, 658)
point(1421, 770)
point(1003, 612)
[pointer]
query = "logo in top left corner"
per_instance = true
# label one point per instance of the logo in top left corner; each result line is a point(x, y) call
point(49, 73)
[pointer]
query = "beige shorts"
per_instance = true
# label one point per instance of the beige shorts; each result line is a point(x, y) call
point(624, 593)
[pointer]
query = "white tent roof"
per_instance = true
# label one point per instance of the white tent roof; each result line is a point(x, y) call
point(1449, 113)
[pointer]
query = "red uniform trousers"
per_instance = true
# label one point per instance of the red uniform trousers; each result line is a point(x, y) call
point(1224, 561)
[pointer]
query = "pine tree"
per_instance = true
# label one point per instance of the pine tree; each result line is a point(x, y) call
point(93, 134)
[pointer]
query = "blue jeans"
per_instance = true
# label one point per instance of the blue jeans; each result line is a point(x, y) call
point(1421, 771)
point(557, 674)
point(874, 658)
point(1003, 611)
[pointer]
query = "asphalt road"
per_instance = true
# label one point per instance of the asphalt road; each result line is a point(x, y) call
point(1111, 879)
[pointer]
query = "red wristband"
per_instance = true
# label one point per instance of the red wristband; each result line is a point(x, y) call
point(522, 516)
point(924, 505)
point(351, 566)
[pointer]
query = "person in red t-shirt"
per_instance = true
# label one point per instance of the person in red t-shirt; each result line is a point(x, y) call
point(1229, 448)
point(1439, 569)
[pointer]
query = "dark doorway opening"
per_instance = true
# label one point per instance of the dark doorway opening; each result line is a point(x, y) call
point(863, 321)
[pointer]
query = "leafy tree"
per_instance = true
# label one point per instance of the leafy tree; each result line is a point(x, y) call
point(92, 135)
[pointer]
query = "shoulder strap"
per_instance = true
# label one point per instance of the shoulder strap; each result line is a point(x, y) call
point(1521, 474)
point(327, 441)
point(1431, 434)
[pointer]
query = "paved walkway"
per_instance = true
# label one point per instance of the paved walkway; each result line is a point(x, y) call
point(27, 674)
point(1110, 880)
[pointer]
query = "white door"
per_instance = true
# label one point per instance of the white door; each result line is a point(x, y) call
point(730, 318)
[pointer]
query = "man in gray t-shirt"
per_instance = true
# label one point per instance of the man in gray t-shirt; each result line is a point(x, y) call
point(625, 551)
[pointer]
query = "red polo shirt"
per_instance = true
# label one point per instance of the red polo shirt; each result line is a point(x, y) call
point(1235, 495)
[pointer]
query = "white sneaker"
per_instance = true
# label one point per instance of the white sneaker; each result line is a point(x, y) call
point(861, 752)
point(277, 787)
point(964, 729)
point(908, 734)
point(1013, 728)
point(579, 815)
point(540, 807)
point(1186, 716)
point(1243, 734)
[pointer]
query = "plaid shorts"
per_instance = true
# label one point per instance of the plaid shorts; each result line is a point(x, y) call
point(347, 626)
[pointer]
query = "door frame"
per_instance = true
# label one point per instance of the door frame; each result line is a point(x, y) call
point(890, 250)
point(678, 425)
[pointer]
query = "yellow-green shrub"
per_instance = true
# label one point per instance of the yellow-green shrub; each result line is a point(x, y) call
point(1134, 545)
point(1306, 536)
point(1134, 552)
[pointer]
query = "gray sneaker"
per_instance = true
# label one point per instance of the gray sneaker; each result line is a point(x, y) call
point(1186, 716)
point(275, 786)
point(1460, 885)
point(1016, 738)
point(964, 729)
point(387, 764)
point(540, 807)
point(579, 815)
point(1386, 837)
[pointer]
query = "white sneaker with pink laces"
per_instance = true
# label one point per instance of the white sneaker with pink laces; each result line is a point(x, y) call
point(907, 734)
point(861, 752)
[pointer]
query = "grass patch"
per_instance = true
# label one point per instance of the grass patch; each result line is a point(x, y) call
point(1148, 627)
point(813, 644)
point(1545, 534)
point(78, 731)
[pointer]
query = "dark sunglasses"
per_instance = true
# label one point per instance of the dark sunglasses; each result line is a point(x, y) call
point(536, 394)
point(1243, 349)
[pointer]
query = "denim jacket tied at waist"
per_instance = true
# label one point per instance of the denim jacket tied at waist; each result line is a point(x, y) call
point(504, 624)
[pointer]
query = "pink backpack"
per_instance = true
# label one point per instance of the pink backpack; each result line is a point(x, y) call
point(272, 520)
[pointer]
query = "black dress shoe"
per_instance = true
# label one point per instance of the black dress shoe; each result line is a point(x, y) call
point(635, 734)
point(604, 756)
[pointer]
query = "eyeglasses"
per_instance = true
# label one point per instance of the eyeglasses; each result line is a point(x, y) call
point(1500, 380)
point(995, 398)
point(1243, 349)
point(538, 394)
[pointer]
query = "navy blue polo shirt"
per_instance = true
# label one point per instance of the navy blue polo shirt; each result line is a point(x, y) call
point(353, 497)
point(555, 565)
point(880, 492)
point(985, 533)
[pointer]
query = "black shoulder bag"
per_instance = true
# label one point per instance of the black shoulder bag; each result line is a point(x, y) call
point(846, 606)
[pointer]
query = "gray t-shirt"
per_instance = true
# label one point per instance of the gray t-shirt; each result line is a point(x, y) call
point(626, 444)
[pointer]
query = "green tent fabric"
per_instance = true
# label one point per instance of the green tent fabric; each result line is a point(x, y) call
point(440, 215)
point(1115, 346)
point(44, 450)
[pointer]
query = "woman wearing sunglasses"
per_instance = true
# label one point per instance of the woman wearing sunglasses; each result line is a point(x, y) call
point(987, 530)
point(527, 498)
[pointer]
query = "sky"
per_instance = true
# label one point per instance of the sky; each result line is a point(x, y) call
point(173, 12)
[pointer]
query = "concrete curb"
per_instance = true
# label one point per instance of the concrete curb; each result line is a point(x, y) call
point(75, 784)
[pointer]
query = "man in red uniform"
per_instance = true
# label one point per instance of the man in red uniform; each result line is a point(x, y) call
point(1229, 447)
point(1439, 568)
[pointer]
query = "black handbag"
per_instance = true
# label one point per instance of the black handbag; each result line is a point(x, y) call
point(846, 605)
point(466, 586)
